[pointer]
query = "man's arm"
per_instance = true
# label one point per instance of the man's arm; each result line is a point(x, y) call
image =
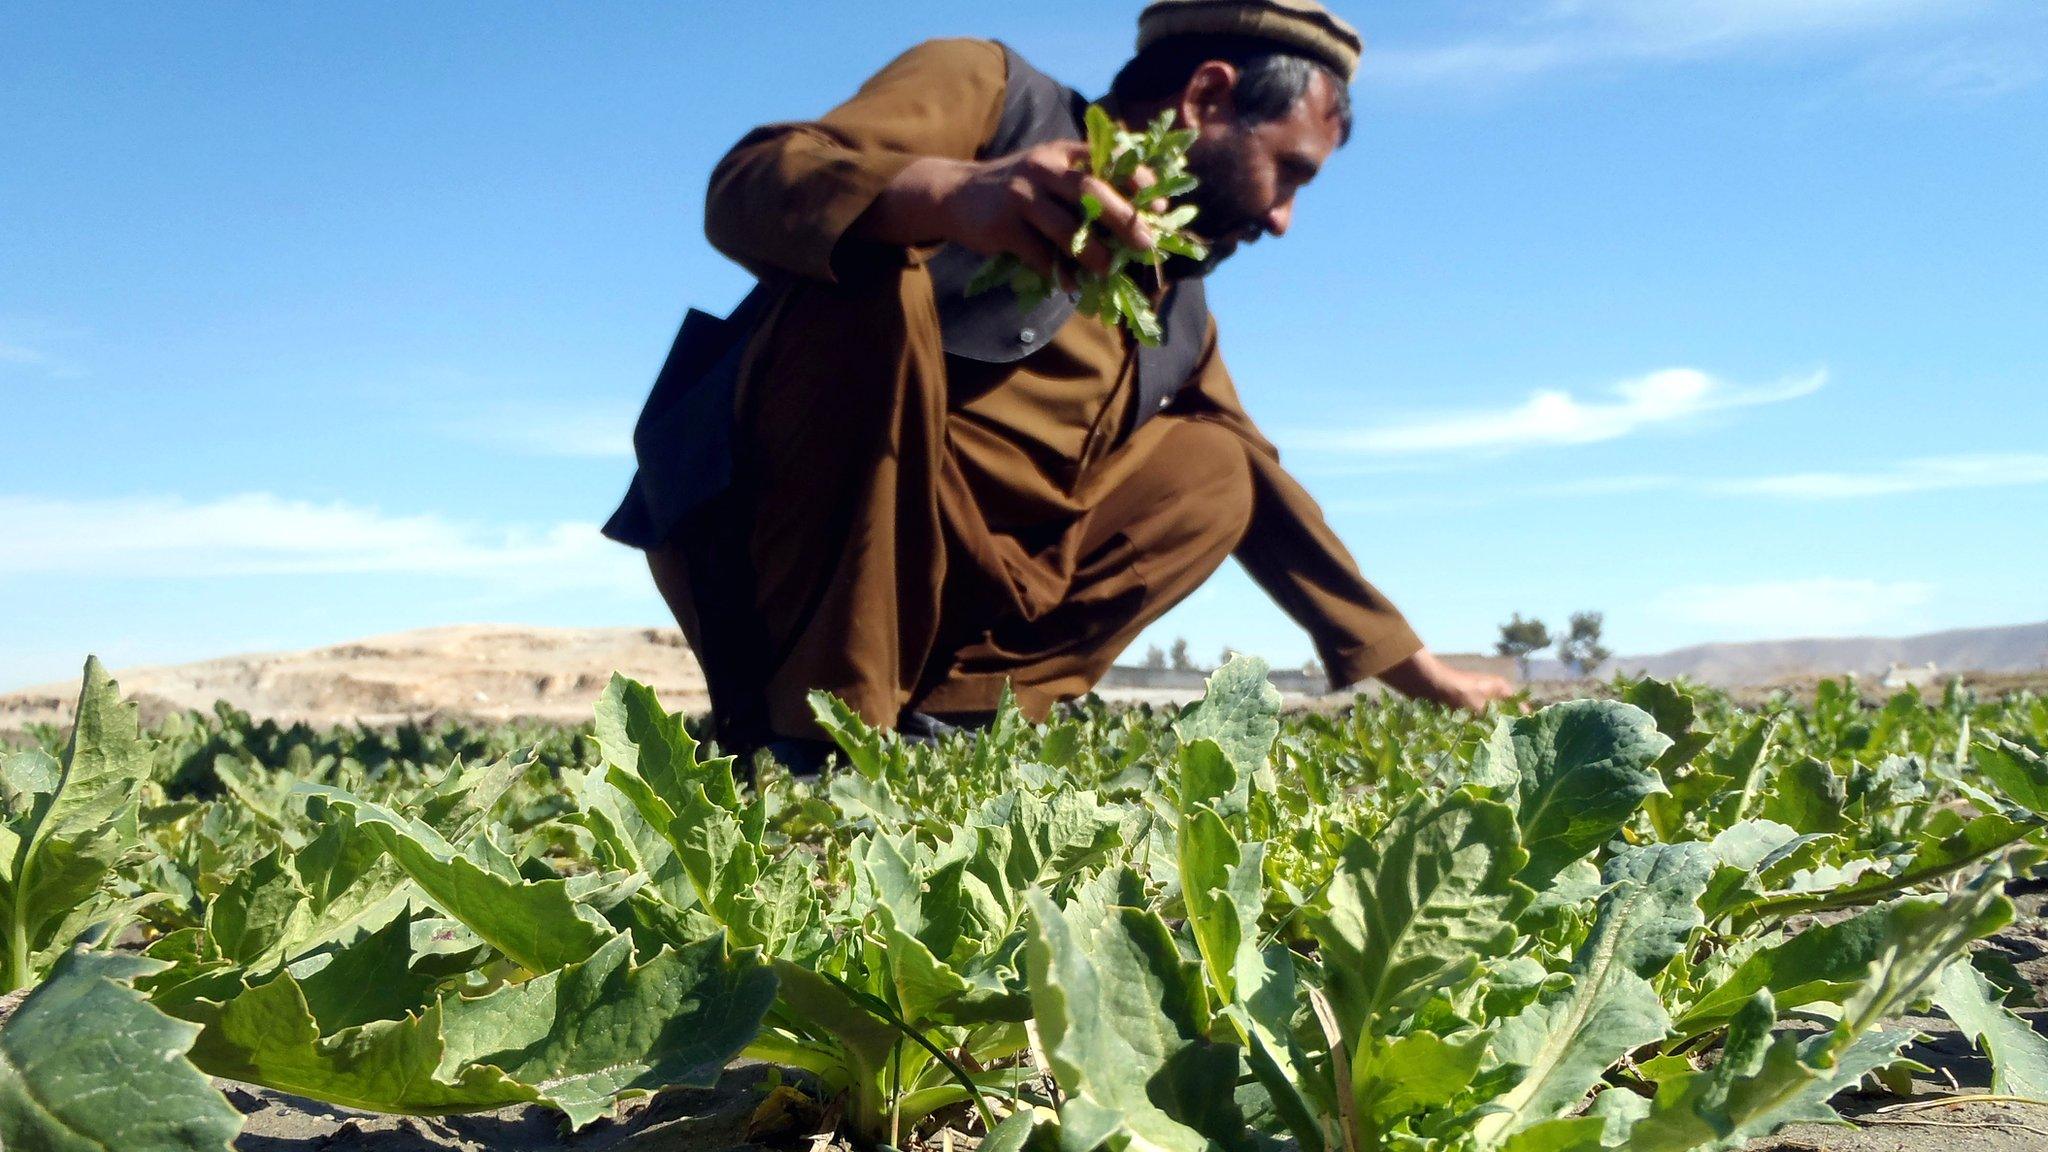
point(1293, 554)
point(898, 166)
point(787, 195)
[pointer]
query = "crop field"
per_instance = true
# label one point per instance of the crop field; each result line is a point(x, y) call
point(1653, 921)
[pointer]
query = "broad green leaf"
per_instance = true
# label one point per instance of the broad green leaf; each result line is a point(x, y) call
point(1675, 713)
point(1240, 711)
point(267, 1035)
point(2019, 1055)
point(1417, 1073)
point(535, 923)
point(597, 1032)
point(370, 979)
point(1585, 768)
point(260, 914)
point(642, 740)
point(2019, 772)
point(68, 837)
point(86, 1065)
point(1808, 796)
point(1120, 1017)
point(1760, 1084)
point(1564, 1043)
point(1414, 908)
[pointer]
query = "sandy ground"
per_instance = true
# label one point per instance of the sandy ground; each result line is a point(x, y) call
point(474, 672)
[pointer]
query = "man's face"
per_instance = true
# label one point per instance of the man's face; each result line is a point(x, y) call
point(1251, 172)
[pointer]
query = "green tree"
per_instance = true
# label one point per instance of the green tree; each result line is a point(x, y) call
point(1581, 649)
point(1522, 639)
point(1179, 657)
point(1155, 658)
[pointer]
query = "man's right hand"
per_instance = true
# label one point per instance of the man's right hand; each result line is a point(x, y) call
point(1027, 205)
point(1425, 677)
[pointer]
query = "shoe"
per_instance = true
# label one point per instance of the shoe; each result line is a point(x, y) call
point(923, 728)
point(804, 759)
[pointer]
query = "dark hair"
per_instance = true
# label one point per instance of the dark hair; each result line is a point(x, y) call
point(1270, 78)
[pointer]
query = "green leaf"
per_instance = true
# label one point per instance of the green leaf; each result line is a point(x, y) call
point(1565, 1043)
point(1824, 962)
point(260, 914)
point(86, 1065)
point(1240, 711)
point(267, 1035)
point(1414, 908)
point(1101, 139)
point(1809, 797)
point(1418, 1073)
point(2019, 1055)
point(65, 842)
point(1759, 1085)
point(1585, 768)
point(642, 741)
point(370, 979)
point(1674, 712)
point(535, 923)
point(603, 1030)
point(2020, 772)
point(1120, 1016)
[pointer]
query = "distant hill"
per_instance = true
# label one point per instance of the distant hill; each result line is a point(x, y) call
point(2017, 648)
point(469, 672)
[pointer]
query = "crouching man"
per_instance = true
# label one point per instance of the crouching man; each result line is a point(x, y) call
point(869, 482)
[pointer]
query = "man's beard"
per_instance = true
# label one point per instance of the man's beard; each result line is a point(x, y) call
point(1223, 215)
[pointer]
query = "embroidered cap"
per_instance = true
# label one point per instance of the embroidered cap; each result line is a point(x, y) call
point(1302, 25)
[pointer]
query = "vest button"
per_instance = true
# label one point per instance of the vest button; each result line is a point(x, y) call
point(1164, 402)
point(1028, 336)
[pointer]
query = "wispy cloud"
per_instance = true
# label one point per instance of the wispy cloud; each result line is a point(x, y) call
point(1672, 397)
point(1928, 474)
point(1817, 606)
point(599, 432)
point(1962, 70)
point(19, 356)
point(1566, 34)
point(262, 534)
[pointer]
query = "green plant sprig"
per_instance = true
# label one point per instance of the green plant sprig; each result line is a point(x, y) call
point(1115, 155)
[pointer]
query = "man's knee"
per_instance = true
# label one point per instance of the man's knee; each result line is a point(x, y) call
point(1213, 482)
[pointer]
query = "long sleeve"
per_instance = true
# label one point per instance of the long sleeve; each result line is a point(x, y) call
point(784, 197)
point(1292, 553)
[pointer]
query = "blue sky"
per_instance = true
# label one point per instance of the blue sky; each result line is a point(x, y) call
point(1725, 317)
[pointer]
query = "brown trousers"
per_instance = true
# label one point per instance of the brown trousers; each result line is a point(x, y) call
point(849, 556)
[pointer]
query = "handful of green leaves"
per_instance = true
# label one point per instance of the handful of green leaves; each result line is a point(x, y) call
point(1115, 156)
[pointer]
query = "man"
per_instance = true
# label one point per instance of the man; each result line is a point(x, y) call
point(871, 483)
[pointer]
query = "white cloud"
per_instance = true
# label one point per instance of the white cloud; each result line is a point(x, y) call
point(603, 432)
point(20, 356)
point(1551, 418)
point(1962, 70)
point(261, 534)
point(1578, 33)
point(1820, 606)
point(1929, 474)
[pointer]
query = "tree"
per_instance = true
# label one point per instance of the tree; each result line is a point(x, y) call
point(1179, 655)
point(1522, 639)
point(1155, 658)
point(1581, 650)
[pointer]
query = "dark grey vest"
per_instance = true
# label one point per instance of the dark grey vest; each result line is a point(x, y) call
point(683, 440)
point(991, 327)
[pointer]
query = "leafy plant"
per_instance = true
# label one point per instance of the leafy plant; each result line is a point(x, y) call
point(65, 827)
point(1115, 155)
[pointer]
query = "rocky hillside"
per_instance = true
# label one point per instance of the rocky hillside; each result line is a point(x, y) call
point(479, 672)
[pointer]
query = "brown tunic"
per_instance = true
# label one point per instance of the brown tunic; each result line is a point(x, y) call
point(932, 528)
